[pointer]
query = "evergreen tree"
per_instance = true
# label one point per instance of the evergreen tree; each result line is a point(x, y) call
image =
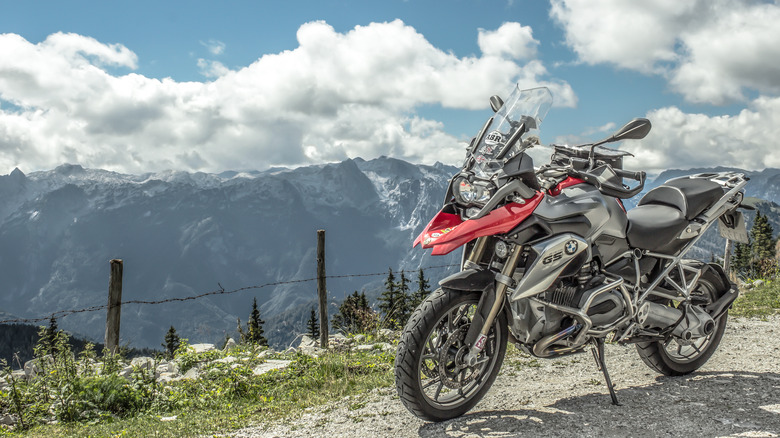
point(761, 236)
point(313, 325)
point(389, 302)
point(355, 315)
point(423, 289)
point(48, 336)
point(404, 300)
point(254, 328)
point(172, 342)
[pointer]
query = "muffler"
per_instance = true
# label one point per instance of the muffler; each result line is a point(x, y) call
point(694, 323)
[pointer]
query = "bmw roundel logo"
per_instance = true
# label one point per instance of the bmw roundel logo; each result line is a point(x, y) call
point(571, 247)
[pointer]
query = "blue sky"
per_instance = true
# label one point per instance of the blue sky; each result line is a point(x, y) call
point(210, 86)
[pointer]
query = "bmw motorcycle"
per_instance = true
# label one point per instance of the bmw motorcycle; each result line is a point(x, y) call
point(554, 264)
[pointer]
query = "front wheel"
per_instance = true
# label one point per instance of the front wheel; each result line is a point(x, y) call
point(431, 377)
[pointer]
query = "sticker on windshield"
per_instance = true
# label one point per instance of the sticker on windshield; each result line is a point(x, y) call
point(494, 138)
point(486, 150)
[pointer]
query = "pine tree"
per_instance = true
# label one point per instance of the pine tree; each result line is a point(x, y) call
point(172, 342)
point(761, 236)
point(49, 336)
point(404, 300)
point(254, 328)
point(422, 289)
point(389, 300)
point(313, 325)
point(355, 315)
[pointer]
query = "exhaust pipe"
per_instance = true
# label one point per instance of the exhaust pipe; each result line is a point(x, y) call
point(544, 348)
point(694, 323)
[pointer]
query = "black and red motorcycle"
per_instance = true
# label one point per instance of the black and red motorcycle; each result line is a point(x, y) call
point(554, 264)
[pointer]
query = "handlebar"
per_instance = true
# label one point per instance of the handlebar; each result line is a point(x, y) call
point(609, 180)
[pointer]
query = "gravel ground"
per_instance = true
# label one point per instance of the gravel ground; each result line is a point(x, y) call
point(737, 393)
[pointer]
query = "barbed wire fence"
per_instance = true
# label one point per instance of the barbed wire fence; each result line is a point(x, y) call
point(219, 291)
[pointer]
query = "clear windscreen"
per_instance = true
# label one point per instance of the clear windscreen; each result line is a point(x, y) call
point(523, 109)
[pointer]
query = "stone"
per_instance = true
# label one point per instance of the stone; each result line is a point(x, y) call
point(307, 342)
point(143, 362)
point(168, 377)
point(34, 366)
point(229, 344)
point(364, 348)
point(291, 350)
point(8, 420)
point(384, 346)
point(191, 373)
point(360, 338)
point(266, 353)
point(386, 333)
point(228, 359)
point(202, 348)
point(126, 372)
point(312, 351)
point(270, 365)
point(758, 283)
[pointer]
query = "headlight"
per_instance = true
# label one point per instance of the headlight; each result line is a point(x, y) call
point(468, 193)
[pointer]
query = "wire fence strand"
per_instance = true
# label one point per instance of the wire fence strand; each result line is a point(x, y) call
point(220, 291)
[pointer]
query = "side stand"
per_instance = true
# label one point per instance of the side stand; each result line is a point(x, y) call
point(598, 354)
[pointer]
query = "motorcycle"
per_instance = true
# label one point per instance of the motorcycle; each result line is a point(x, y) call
point(554, 264)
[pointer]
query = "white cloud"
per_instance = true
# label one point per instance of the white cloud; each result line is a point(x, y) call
point(511, 39)
point(679, 140)
point(215, 47)
point(337, 95)
point(710, 50)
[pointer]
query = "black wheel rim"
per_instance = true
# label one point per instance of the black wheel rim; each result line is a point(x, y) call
point(438, 372)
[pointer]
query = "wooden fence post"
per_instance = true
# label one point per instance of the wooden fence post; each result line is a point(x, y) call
point(114, 306)
point(322, 291)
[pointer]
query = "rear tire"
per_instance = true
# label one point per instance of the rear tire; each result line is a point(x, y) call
point(429, 354)
point(676, 359)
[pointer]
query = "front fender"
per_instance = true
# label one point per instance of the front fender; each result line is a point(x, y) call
point(470, 280)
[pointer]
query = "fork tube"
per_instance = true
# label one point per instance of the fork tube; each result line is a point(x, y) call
point(476, 253)
point(503, 283)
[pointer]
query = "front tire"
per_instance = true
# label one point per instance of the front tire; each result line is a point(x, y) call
point(673, 358)
point(431, 380)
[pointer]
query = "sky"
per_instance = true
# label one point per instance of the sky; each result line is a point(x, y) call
point(247, 85)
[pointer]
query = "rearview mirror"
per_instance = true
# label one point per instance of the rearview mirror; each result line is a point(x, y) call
point(634, 130)
point(496, 103)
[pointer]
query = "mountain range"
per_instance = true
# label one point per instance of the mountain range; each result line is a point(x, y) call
point(181, 234)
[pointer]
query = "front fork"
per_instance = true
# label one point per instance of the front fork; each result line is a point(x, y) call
point(503, 282)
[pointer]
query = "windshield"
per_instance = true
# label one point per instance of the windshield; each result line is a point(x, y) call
point(524, 109)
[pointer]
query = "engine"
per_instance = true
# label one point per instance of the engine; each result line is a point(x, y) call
point(538, 321)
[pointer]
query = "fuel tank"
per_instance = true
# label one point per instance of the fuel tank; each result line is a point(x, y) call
point(583, 210)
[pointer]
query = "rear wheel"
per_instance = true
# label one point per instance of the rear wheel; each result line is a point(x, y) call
point(675, 357)
point(431, 377)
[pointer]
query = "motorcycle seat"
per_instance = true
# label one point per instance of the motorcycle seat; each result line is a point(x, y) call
point(655, 227)
point(690, 195)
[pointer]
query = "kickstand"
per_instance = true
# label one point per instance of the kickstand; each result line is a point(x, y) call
point(598, 354)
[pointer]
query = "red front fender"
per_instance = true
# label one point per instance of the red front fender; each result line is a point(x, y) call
point(447, 231)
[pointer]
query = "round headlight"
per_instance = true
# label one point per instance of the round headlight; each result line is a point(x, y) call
point(466, 191)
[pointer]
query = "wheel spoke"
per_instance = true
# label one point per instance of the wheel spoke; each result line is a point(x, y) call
point(438, 391)
point(432, 382)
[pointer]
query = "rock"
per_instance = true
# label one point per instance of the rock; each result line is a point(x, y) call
point(202, 348)
point(386, 333)
point(360, 338)
point(8, 420)
point(229, 344)
point(167, 367)
point(191, 373)
point(307, 342)
point(168, 377)
point(126, 372)
point(338, 337)
point(312, 351)
point(270, 365)
point(228, 359)
point(758, 283)
point(384, 346)
point(266, 353)
point(291, 350)
point(34, 366)
point(143, 363)
point(364, 348)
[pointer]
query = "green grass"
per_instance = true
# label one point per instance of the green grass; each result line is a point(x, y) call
point(761, 301)
point(231, 398)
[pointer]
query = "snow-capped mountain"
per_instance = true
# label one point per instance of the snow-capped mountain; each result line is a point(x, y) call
point(182, 234)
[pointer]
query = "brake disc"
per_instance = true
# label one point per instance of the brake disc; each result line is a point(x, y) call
point(451, 363)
